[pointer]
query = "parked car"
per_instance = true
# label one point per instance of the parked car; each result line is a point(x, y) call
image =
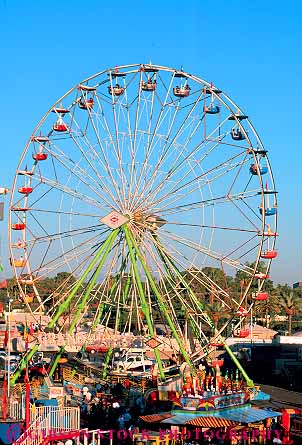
point(92, 349)
point(134, 362)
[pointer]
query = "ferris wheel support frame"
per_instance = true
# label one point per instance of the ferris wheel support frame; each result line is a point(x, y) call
point(64, 305)
point(249, 381)
point(145, 309)
point(173, 133)
point(106, 247)
point(28, 356)
point(131, 241)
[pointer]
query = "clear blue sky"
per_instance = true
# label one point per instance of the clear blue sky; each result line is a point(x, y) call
point(251, 50)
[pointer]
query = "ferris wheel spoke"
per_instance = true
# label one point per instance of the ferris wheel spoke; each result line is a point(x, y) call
point(173, 260)
point(169, 143)
point(70, 257)
point(236, 229)
point(82, 175)
point(161, 269)
point(162, 114)
point(175, 278)
point(182, 186)
point(61, 212)
point(243, 214)
point(69, 191)
point(117, 104)
point(214, 200)
point(66, 233)
point(174, 167)
point(99, 178)
point(114, 145)
point(201, 249)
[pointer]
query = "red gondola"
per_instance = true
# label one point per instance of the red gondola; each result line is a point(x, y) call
point(86, 104)
point(260, 296)
point(270, 232)
point(60, 126)
point(261, 276)
point(40, 156)
point(216, 344)
point(25, 190)
point(242, 333)
point(181, 91)
point(18, 226)
point(242, 312)
point(40, 139)
point(269, 254)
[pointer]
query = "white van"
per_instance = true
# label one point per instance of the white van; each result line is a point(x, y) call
point(132, 361)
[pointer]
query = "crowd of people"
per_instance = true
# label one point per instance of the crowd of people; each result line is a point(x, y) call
point(111, 406)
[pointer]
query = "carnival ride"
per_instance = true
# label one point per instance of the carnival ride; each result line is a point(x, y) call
point(138, 181)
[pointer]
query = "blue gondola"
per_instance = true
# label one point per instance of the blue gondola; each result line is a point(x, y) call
point(262, 169)
point(237, 134)
point(269, 211)
point(211, 109)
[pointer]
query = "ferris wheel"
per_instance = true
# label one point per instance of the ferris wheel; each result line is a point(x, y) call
point(150, 187)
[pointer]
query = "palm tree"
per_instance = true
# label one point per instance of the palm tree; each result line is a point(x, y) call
point(217, 311)
point(290, 303)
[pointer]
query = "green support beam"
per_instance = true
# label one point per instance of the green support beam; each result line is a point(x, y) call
point(145, 307)
point(105, 249)
point(249, 382)
point(22, 365)
point(165, 257)
point(64, 306)
point(159, 299)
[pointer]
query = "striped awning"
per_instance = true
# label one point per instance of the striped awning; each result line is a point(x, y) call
point(247, 415)
point(153, 418)
point(211, 422)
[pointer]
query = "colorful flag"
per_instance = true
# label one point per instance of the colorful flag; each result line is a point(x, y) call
point(1, 268)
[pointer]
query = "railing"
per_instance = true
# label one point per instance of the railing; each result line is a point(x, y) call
point(50, 422)
point(15, 410)
point(95, 437)
point(39, 391)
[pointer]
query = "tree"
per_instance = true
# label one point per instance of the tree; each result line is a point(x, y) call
point(289, 303)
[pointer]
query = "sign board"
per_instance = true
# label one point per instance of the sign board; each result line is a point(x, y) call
point(56, 391)
point(114, 220)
